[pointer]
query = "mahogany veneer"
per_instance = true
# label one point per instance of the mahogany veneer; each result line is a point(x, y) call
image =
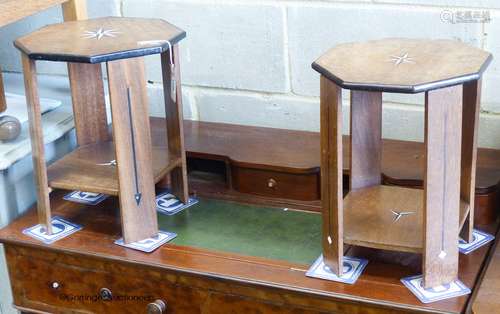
point(261, 154)
point(195, 280)
point(86, 168)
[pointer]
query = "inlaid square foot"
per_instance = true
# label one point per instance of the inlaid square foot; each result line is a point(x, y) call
point(452, 290)
point(353, 267)
point(86, 198)
point(60, 229)
point(479, 239)
point(150, 244)
point(169, 204)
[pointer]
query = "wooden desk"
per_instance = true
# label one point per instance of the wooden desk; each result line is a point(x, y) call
point(487, 299)
point(205, 268)
point(258, 269)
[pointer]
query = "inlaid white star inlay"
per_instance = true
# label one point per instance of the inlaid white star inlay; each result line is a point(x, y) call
point(403, 58)
point(398, 215)
point(110, 163)
point(100, 33)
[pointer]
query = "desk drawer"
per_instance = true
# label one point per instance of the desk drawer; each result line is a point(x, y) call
point(71, 284)
point(304, 187)
point(47, 281)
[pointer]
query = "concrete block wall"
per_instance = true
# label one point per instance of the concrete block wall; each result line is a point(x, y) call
point(249, 61)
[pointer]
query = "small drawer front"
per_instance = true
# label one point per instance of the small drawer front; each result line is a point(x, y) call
point(51, 282)
point(58, 283)
point(304, 187)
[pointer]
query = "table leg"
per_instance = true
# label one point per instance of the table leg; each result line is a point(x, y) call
point(37, 146)
point(89, 108)
point(366, 139)
point(132, 138)
point(470, 122)
point(331, 174)
point(443, 124)
point(174, 120)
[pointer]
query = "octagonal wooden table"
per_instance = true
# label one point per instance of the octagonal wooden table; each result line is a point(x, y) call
point(389, 217)
point(120, 43)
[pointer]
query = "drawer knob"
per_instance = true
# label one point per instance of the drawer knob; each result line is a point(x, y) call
point(55, 285)
point(106, 294)
point(271, 183)
point(157, 307)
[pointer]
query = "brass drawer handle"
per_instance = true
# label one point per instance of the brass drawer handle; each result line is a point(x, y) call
point(271, 183)
point(106, 294)
point(157, 307)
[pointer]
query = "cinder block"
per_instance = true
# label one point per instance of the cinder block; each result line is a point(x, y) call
point(313, 29)
point(299, 113)
point(157, 103)
point(10, 59)
point(489, 128)
point(255, 109)
point(228, 45)
point(491, 79)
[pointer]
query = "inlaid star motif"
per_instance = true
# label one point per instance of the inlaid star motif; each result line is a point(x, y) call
point(398, 215)
point(100, 33)
point(403, 58)
point(110, 163)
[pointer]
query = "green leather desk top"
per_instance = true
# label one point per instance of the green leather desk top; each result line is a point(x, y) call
point(248, 230)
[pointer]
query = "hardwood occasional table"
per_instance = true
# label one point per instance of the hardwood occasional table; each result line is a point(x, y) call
point(389, 217)
point(127, 165)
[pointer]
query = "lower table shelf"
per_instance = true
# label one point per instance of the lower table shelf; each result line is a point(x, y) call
point(85, 168)
point(387, 217)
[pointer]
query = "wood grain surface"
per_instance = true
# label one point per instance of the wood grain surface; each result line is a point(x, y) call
point(85, 168)
point(125, 38)
point(470, 125)
point(443, 129)
point(74, 10)
point(37, 143)
point(133, 148)
point(174, 120)
point(370, 216)
point(366, 139)
point(331, 175)
point(402, 65)
point(89, 107)
point(11, 11)
point(487, 296)
point(91, 261)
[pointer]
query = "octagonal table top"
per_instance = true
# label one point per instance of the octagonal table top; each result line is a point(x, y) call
point(100, 40)
point(402, 65)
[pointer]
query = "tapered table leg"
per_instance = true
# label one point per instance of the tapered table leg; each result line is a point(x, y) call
point(366, 139)
point(174, 119)
point(131, 132)
point(331, 174)
point(443, 124)
point(37, 146)
point(470, 122)
point(89, 108)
